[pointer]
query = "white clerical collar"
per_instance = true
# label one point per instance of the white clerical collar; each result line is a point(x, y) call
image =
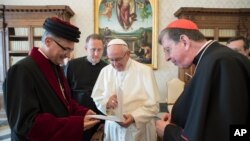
point(93, 64)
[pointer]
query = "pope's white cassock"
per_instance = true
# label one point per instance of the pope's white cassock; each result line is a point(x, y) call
point(140, 99)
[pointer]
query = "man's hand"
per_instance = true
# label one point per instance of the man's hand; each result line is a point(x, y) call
point(166, 117)
point(89, 122)
point(161, 124)
point(128, 120)
point(112, 102)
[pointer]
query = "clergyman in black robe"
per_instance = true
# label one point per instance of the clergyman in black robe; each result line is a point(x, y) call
point(82, 74)
point(216, 97)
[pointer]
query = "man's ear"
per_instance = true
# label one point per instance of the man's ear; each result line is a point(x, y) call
point(128, 53)
point(47, 41)
point(185, 40)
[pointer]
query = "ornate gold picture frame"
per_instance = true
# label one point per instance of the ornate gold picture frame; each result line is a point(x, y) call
point(135, 21)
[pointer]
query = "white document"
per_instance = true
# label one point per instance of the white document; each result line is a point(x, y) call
point(103, 117)
point(117, 113)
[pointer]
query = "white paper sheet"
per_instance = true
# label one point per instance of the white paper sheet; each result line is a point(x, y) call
point(103, 117)
point(118, 110)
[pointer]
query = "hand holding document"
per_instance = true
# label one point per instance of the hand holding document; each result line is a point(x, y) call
point(116, 113)
point(88, 122)
point(104, 117)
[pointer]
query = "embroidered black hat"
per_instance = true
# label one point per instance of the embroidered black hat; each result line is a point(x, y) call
point(62, 29)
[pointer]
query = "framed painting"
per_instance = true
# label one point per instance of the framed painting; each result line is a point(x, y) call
point(134, 21)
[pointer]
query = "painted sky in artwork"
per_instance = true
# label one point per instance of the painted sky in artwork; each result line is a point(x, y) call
point(114, 24)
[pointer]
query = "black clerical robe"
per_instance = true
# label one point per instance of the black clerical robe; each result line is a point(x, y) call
point(81, 76)
point(216, 97)
point(35, 106)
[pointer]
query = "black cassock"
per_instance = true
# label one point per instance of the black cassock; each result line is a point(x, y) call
point(216, 97)
point(81, 76)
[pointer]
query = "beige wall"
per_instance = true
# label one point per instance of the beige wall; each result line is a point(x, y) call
point(84, 19)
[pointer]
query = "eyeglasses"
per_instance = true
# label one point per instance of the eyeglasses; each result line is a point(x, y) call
point(66, 49)
point(117, 59)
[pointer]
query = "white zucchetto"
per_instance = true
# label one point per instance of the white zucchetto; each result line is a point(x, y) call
point(117, 42)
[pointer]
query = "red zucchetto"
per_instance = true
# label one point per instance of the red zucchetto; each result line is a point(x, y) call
point(183, 24)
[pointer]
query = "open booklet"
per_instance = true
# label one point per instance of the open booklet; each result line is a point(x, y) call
point(115, 114)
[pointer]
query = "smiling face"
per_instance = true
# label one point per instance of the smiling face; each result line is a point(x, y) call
point(57, 49)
